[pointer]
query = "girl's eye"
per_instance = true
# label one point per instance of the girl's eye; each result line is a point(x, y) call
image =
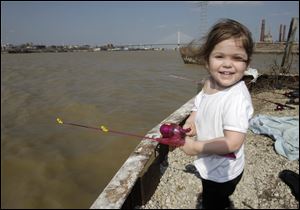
point(218, 56)
point(239, 59)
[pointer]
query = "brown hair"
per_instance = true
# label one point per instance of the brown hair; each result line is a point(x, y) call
point(223, 30)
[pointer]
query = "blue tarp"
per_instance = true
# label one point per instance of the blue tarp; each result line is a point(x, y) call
point(284, 130)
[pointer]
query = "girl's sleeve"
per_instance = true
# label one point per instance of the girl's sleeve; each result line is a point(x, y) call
point(197, 102)
point(237, 113)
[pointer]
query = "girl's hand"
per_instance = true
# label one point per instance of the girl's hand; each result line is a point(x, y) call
point(190, 125)
point(189, 146)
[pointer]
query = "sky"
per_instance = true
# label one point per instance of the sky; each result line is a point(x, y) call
point(98, 23)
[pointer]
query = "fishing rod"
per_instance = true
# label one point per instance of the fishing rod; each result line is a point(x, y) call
point(290, 94)
point(279, 106)
point(172, 134)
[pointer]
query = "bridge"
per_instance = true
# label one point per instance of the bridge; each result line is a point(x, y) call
point(151, 45)
point(177, 39)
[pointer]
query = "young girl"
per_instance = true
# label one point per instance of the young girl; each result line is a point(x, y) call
point(221, 113)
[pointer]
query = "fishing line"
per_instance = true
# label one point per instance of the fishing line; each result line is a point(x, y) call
point(104, 129)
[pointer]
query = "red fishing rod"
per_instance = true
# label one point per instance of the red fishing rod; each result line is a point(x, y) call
point(290, 94)
point(279, 106)
point(172, 134)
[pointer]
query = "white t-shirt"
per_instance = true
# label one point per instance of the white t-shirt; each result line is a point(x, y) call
point(229, 109)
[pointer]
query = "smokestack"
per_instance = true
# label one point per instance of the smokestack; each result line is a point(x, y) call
point(280, 33)
point(262, 32)
point(283, 34)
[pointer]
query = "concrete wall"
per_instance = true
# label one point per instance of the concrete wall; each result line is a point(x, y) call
point(139, 176)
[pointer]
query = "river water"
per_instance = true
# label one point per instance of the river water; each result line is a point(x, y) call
point(48, 165)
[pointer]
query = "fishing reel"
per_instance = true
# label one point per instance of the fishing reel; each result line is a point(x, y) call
point(279, 107)
point(292, 94)
point(168, 130)
point(173, 134)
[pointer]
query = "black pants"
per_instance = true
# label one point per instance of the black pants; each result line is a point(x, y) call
point(216, 195)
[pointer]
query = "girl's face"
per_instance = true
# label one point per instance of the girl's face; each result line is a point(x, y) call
point(227, 63)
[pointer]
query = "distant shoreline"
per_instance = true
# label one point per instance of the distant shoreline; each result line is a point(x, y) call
point(256, 51)
point(260, 47)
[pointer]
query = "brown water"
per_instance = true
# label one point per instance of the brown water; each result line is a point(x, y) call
point(46, 165)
